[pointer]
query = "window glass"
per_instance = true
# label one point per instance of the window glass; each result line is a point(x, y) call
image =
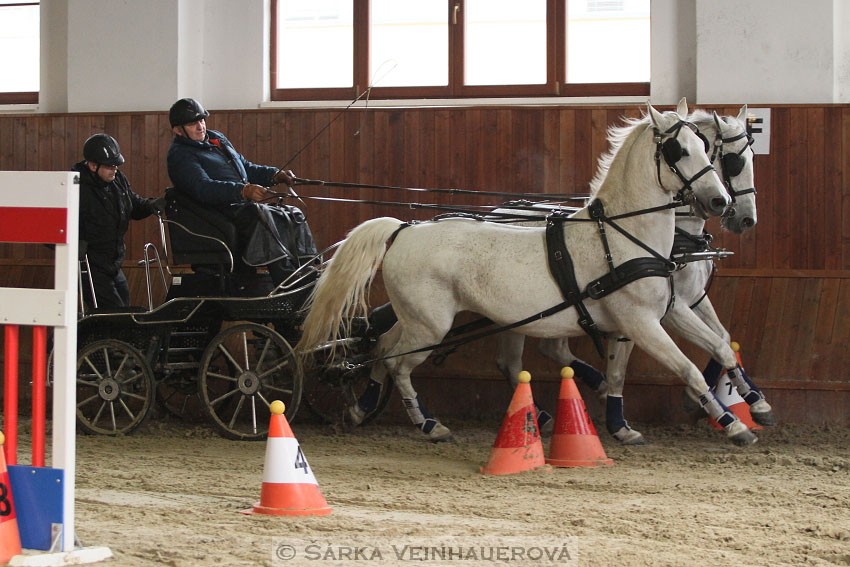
point(505, 42)
point(608, 41)
point(315, 44)
point(409, 43)
point(19, 47)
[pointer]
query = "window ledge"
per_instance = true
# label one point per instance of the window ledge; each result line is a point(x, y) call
point(18, 108)
point(457, 102)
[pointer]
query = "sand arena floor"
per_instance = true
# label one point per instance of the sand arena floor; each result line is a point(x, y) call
point(169, 494)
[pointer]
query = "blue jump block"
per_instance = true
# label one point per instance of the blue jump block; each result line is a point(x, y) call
point(37, 492)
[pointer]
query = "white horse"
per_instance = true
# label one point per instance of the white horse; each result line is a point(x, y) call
point(692, 311)
point(434, 270)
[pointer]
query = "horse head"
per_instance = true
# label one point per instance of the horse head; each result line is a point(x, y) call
point(686, 168)
point(732, 153)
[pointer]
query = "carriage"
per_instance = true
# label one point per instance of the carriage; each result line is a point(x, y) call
point(220, 345)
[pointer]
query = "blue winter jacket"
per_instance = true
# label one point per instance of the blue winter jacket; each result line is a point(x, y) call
point(212, 171)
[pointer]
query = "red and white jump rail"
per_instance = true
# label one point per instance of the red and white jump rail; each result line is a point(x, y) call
point(42, 207)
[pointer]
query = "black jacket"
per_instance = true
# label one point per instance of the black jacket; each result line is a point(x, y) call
point(105, 213)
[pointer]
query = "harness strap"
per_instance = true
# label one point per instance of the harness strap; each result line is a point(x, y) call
point(626, 273)
point(563, 271)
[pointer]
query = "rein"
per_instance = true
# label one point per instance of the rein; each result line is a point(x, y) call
point(549, 196)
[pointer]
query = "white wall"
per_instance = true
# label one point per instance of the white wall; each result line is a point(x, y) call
point(53, 75)
point(766, 51)
point(136, 55)
point(674, 51)
point(235, 74)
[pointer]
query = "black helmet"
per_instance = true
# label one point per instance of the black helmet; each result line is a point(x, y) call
point(102, 149)
point(186, 111)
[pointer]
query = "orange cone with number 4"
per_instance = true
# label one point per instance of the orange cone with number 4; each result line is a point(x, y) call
point(289, 487)
point(10, 537)
point(574, 441)
point(518, 447)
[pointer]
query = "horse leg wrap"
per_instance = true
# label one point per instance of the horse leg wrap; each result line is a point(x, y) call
point(419, 415)
point(712, 373)
point(716, 409)
point(614, 418)
point(588, 374)
point(368, 401)
point(749, 391)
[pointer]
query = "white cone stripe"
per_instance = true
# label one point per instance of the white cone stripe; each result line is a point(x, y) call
point(285, 463)
point(727, 393)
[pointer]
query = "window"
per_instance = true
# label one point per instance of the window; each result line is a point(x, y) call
point(19, 52)
point(335, 49)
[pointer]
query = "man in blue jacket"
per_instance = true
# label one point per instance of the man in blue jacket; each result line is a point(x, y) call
point(204, 165)
point(106, 206)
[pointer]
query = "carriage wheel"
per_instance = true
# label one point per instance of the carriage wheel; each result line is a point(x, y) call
point(179, 396)
point(243, 370)
point(329, 393)
point(114, 387)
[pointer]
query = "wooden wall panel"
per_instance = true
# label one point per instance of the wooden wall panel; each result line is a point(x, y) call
point(785, 294)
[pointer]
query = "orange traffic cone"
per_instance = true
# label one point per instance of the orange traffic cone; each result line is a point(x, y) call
point(518, 446)
point(725, 392)
point(574, 441)
point(289, 487)
point(10, 537)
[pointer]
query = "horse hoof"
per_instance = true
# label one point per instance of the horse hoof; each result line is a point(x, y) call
point(763, 414)
point(767, 419)
point(440, 434)
point(740, 434)
point(628, 436)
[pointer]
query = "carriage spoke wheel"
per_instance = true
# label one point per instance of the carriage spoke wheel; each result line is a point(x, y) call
point(243, 370)
point(329, 393)
point(114, 388)
point(179, 396)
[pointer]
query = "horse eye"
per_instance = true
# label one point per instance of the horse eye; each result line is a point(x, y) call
point(685, 152)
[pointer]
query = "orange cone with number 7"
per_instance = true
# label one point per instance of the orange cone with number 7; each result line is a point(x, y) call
point(289, 487)
point(10, 537)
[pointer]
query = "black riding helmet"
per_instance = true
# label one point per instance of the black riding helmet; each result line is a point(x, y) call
point(102, 149)
point(186, 111)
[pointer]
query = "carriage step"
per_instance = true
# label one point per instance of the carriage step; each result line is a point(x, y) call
point(188, 333)
point(176, 350)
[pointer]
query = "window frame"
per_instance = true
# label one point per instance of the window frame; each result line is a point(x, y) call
point(556, 85)
point(30, 97)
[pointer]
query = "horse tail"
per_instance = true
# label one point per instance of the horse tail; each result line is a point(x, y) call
point(342, 291)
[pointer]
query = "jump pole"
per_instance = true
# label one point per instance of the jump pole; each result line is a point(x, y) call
point(42, 207)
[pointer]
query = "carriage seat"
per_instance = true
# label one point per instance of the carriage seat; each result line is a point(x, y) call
point(187, 248)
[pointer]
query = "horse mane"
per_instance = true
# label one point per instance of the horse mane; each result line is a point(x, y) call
point(705, 119)
point(617, 136)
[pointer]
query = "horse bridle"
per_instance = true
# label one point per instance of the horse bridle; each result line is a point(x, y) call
point(672, 151)
point(732, 164)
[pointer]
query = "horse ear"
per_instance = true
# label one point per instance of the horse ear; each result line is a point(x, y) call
point(719, 122)
point(654, 116)
point(682, 108)
point(742, 114)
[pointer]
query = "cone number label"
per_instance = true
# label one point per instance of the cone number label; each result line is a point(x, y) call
point(301, 462)
point(7, 510)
